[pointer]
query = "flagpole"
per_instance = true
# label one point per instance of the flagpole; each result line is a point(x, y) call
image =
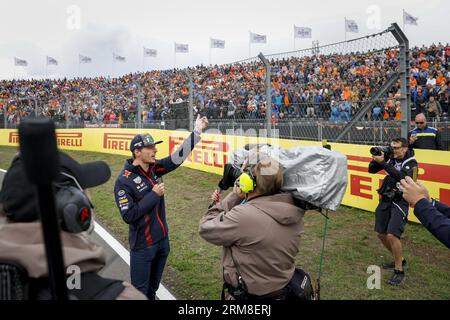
point(209, 51)
point(143, 54)
point(294, 37)
point(403, 17)
point(112, 67)
point(345, 29)
point(249, 44)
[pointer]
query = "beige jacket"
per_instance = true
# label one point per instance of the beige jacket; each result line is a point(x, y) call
point(23, 243)
point(264, 234)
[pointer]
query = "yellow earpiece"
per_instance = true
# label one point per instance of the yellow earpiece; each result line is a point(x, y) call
point(246, 183)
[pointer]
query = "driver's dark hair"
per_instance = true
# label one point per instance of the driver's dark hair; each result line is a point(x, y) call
point(401, 140)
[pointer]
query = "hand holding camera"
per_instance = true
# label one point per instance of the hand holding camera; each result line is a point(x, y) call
point(413, 191)
point(215, 197)
point(237, 190)
point(378, 159)
point(412, 138)
point(379, 154)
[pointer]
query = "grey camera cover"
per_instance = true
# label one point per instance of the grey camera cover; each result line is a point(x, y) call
point(313, 174)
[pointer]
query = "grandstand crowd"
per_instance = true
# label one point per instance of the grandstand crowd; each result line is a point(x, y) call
point(330, 87)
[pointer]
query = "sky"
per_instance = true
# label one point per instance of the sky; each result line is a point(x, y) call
point(63, 29)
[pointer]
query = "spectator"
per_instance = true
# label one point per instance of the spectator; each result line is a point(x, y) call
point(345, 111)
point(420, 101)
point(433, 108)
point(298, 83)
point(424, 137)
point(445, 101)
point(377, 113)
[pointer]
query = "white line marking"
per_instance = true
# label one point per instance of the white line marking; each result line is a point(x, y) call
point(162, 293)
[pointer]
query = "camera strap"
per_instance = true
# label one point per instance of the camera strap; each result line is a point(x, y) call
point(240, 280)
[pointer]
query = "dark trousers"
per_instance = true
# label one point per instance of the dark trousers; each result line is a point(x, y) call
point(147, 266)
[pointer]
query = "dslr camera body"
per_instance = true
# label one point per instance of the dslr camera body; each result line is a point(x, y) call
point(389, 189)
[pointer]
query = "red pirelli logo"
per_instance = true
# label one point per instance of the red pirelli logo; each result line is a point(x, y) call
point(117, 141)
point(208, 152)
point(69, 139)
point(361, 186)
point(13, 137)
point(63, 139)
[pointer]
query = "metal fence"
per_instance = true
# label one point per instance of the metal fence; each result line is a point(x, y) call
point(300, 93)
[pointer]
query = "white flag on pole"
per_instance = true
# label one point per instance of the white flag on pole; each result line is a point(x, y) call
point(20, 62)
point(351, 26)
point(181, 48)
point(257, 38)
point(409, 19)
point(51, 61)
point(117, 58)
point(150, 52)
point(216, 43)
point(302, 32)
point(84, 59)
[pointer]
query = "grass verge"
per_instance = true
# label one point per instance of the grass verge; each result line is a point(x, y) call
point(194, 272)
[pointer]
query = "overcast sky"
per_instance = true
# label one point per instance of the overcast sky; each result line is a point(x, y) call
point(33, 29)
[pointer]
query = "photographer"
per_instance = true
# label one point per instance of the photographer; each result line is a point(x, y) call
point(22, 250)
point(391, 213)
point(434, 215)
point(259, 229)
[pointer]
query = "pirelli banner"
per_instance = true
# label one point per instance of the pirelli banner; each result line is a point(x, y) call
point(214, 150)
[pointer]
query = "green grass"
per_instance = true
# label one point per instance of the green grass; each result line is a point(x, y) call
point(194, 271)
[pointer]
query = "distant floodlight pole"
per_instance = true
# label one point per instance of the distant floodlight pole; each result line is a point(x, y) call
point(191, 102)
point(268, 95)
point(139, 104)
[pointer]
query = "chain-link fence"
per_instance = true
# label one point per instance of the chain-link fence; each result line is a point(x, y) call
point(352, 91)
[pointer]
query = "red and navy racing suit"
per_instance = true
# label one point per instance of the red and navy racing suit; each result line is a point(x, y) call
point(144, 211)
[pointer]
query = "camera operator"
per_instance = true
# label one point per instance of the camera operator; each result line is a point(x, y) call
point(22, 250)
point(392, 211)
point(259, 229)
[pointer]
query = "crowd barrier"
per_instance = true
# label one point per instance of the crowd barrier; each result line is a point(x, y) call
point(213, 151)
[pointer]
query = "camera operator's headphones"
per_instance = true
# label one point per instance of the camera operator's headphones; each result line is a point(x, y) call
point(20, 202)
point(247, 181)
point(73, 207)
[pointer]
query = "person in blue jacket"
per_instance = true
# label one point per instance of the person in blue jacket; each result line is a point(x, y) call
point(434, 215)
point(139, 194)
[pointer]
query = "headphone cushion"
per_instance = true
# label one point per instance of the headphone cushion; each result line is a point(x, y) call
point(246, 183)
point(74, 210)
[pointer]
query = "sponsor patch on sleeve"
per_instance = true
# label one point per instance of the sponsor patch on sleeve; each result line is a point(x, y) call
point(126, 173)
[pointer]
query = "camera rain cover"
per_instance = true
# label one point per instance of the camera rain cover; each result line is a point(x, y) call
point(311, 173)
